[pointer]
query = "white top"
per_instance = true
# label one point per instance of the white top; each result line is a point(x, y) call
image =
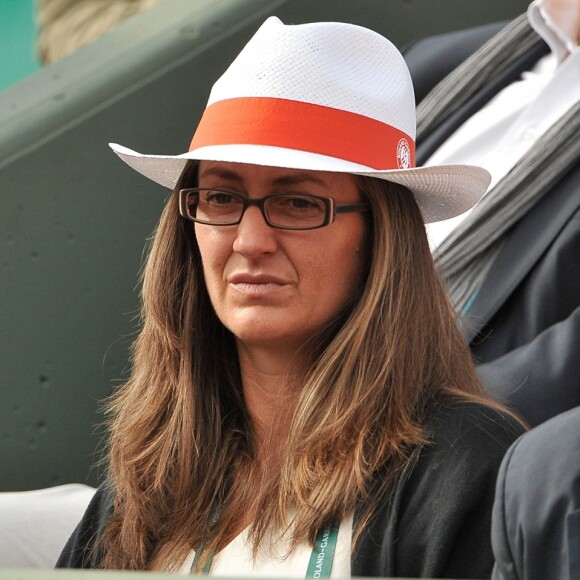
point(501, 133)
point(236, 558)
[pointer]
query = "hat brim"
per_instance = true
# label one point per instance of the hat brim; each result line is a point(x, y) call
point(442, 191)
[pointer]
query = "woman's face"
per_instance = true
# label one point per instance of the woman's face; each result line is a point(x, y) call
point(274, 287)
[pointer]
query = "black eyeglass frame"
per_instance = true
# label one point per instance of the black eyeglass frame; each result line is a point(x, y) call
point(331, 208)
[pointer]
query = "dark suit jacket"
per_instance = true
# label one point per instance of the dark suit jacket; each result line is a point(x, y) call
point(526, 318)
point(536, 514)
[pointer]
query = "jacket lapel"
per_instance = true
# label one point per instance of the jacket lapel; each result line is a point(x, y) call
point(529, 240)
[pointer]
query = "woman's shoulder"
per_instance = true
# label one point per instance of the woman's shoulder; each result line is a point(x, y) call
point(436, 523)
point(81, 550)
point(447, 496)
point(457, 424)
point(466, 441)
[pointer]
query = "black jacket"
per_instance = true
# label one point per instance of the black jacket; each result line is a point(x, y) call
point(437, 522)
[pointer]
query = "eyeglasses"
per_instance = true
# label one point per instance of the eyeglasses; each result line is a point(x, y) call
point(287, 211)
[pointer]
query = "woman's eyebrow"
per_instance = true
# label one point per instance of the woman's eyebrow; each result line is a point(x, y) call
point(221, 172)
point(283, 180)
point(296, 178)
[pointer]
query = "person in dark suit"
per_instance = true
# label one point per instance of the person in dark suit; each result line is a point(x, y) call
point(536, 514)
point(509, 96)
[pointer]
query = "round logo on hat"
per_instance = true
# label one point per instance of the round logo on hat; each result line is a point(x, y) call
point(403, 154)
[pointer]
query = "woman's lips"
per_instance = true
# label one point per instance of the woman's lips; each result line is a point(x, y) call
point(257, 289)
point(256, 284)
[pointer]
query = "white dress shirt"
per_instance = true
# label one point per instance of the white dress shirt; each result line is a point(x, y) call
point(501, 133)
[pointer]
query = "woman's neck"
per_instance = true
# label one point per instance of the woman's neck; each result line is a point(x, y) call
point(272, 381)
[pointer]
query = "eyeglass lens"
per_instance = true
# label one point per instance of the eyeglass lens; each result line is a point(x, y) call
point(292, 210)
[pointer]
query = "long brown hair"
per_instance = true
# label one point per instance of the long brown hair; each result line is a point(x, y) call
point(181, 439)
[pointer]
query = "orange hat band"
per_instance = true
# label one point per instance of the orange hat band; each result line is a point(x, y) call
point(305, 127)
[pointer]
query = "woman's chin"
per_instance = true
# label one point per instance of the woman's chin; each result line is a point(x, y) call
point(267, 336)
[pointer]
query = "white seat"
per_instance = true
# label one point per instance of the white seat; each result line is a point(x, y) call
point(35, 525)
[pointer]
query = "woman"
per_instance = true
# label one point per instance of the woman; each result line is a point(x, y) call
point(301, 401)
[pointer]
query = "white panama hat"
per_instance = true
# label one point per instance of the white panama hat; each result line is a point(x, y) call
point(325, 96)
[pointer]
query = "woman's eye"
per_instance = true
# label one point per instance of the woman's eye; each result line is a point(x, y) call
point(300, 203)
point(220, 198)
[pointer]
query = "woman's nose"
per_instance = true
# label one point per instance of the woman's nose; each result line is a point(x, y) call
point(254, 236)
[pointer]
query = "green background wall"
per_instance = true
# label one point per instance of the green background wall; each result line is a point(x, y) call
point(74, 219)
point(17, 41)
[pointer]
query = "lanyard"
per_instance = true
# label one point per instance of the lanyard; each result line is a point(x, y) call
point(321, 558)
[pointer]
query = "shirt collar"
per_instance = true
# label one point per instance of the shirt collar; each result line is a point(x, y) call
point(556, 37)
